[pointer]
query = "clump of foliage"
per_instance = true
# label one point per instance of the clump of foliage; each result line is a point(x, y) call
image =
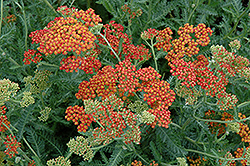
point(115, 82)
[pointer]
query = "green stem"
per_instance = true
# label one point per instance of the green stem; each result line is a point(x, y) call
point(69, 154)
point(174, 124)
point(1, 18)
point(134, 150)
point(109, 46)
point(235, 25)
point(50, 6)
point(25, 23)
point(99, 147)
point(193, 11)
point(30, 147)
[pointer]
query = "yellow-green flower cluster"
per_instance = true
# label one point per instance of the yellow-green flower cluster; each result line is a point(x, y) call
point(44, 114)
point(147, 117)
point(7, 89)
point(138, 107)
point(27, 99)
point(234, 127)
point(182, 161)
point(59, 161)
point(39, 82)
point(81, 147)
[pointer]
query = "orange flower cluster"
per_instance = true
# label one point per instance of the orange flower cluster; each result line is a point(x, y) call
point(10, 18)
point(214, 127)
point(11, 145)
point(139, 163)
point(124, 80)
point(185, 45)
point(132, 14)
point(196, 162)
point(70, 33)
point(89, 17)
point(62, 36)
point(3, 119)
point(244, 132)
point(31, 56)
point(229, 163)
point(159, 96)
point(114, 34)
point(239, 153)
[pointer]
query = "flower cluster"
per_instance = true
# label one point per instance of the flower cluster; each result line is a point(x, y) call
point(81, 147)
point(59, 161)
point(114, 120)
point(89, 17)
point(229, 163)
point(159, 96)
point(44, 114)
point(125, 81)
point(3, 119)
point(31, 56)
point(149, 34)
point(235, 45)
point(70, 33)
point(73, 63)
point(213, 82)
point(230, 64)
point(132, 14)
point(39, 82)
point(7, 89)
point(114, 34)
point(11, 145)
point(241, 129)
point(163, 39)
point(63, 35)
point(27, 99)
point(196, 162)
point(139, 163)
point(10, 18)
point(185, 45)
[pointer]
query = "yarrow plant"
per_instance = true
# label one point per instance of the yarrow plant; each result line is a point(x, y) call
point(150, 86)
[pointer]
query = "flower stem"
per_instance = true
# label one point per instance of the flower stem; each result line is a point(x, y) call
point(1, 18)
point(109, 46)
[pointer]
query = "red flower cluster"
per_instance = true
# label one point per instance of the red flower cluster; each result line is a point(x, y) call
point(163, 38)
point(185, 45)
point(11, 145)
point(3, 119)
point(149, 34)
point(77, 114)
point(31, 56)
point(124, 80)
point(114, 120)
point(114, 34)
point(73, 63)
